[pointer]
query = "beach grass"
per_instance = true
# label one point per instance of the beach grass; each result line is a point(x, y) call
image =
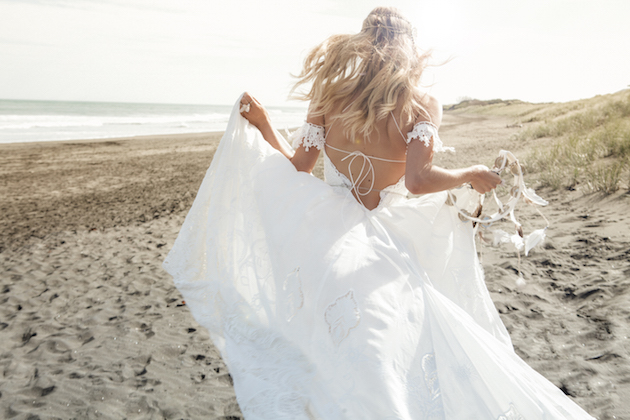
point(581, 144)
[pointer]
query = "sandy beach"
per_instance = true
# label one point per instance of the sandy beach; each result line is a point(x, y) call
point(92, 327)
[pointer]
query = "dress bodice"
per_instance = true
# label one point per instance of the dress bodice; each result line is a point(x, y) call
point(336, 179)
point(311, 135)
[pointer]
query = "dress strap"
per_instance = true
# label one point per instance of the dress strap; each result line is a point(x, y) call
point(367, 156)
point(424, 131)
point(398, 127)
point(309, 135)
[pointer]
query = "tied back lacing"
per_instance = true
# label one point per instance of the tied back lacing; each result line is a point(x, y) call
point(367, 168)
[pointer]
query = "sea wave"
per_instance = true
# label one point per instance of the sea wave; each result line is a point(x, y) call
point(28, 121)
point(25, 122)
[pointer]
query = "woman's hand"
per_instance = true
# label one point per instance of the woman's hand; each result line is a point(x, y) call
point(483, 179)
point(258, 116)
point(254, 112)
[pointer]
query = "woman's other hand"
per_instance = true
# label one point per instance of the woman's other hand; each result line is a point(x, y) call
point(483, 179)
point(254, 112)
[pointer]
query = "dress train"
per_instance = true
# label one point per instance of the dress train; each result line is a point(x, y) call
point(323, 309)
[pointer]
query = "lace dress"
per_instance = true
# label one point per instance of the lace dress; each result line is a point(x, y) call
point(323, 309)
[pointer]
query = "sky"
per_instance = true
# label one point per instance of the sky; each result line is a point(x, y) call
point(209, 51)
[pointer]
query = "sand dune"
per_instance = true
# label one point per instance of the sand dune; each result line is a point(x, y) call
point(91, 327)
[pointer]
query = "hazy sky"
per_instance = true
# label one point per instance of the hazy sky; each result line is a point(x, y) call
point(209, 51)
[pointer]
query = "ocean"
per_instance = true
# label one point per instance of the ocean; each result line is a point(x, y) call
point(30, 121)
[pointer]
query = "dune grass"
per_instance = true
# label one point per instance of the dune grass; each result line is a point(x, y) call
point(587, 141)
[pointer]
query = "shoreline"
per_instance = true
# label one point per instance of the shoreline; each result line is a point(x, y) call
point(145, 137)
point(36, 121)
point(124, 138)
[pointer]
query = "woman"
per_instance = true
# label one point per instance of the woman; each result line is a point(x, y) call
point(347, 299)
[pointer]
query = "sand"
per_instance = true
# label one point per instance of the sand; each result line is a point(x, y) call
point(92, 327)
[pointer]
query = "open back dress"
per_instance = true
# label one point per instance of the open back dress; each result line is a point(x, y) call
point(323, 309)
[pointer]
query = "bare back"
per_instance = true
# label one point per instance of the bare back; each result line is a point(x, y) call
point(386, 149)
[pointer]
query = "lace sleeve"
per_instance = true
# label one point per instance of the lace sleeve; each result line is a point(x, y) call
point(423, 131)
point(309, 135)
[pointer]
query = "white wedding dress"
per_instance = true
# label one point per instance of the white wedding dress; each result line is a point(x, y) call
point(323, 309)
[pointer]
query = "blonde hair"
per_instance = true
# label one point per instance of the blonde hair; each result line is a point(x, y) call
point(367, 74)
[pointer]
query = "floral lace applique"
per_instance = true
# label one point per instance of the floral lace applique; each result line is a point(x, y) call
point(341, 316)
point(309, 135)
point(423, 131)
point(464, 372)
point(431, 375)
point(425, 391)
point(294, 296)
point(511, 414)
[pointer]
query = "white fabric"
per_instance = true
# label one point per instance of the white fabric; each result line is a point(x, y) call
point(424, 131)
point(309, 135)
point(325, 310)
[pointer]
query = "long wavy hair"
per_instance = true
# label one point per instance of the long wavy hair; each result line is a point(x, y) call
point(366, 74)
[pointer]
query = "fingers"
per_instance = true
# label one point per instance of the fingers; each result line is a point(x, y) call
point(496, 179)
point(246, 98)
point(491, 179)
point(247, 101)
point(485, 180)
point(482, 189)
point(252, 110)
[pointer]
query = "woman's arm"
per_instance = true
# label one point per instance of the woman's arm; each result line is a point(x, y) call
point(259, 118)
point(422, 177)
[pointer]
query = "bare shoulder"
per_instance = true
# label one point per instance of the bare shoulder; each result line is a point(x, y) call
point(315, 118)
point(432, 109)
